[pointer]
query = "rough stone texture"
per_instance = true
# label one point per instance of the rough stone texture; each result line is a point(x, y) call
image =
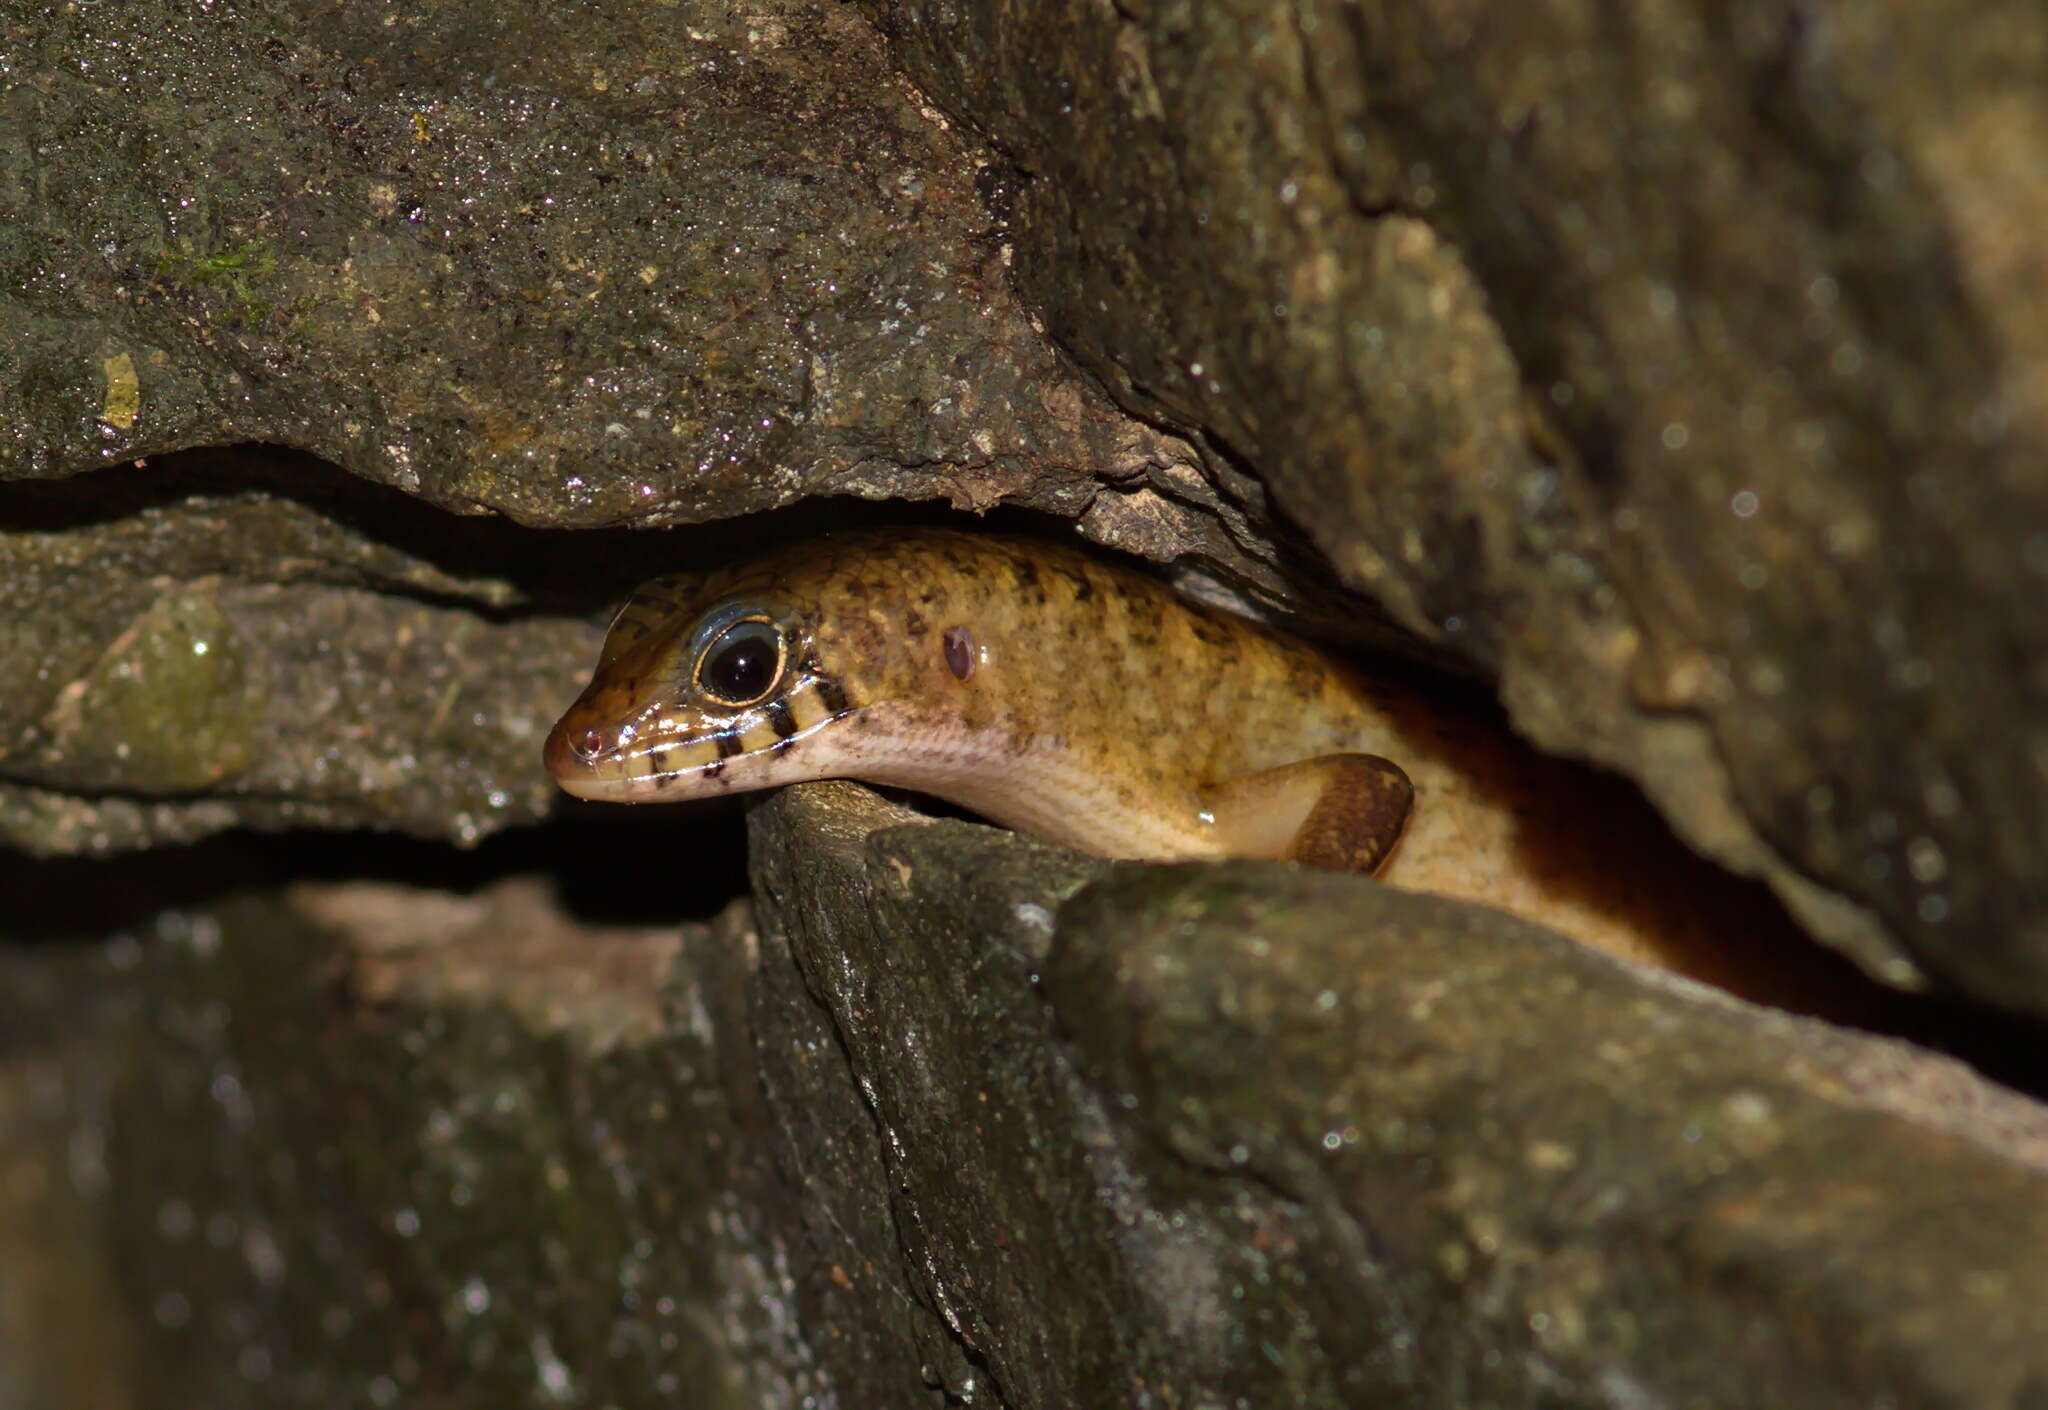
point(247, 640)
point(1687, 368)
point(1277, 1137)
point(351, 1176)
point(972, 1118)
point(577, 264)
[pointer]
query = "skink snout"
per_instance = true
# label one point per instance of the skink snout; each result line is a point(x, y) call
point(574, 746)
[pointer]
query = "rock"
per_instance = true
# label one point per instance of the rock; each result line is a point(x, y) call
point(1199, 1132)
point(249, 642)
point(973, 1113)
point(1686, 374)
point(580, 267)
point(427, 1187)
point(66, 1333)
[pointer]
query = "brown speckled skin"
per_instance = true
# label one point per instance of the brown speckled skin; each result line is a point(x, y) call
point(1098, 702)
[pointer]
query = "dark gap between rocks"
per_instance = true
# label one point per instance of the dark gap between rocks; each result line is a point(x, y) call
point(555, 571)
point(558, 571)
point(627, 867)
point(1759, 936)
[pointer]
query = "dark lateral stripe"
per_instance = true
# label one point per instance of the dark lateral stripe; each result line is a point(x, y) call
point(726, 744)
point(830, 693)
point(780, 719)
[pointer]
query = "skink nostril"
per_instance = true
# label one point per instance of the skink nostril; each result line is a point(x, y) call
point(589, 745)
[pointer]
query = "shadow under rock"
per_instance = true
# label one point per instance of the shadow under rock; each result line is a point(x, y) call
point(554, 570)
point(611, 867)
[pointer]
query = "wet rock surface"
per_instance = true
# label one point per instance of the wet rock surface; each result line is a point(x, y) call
point(577, 266)
point(239, 637)
point(966, 1117)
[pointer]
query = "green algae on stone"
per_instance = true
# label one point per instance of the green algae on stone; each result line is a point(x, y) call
point(237, 271)
point(165, 708)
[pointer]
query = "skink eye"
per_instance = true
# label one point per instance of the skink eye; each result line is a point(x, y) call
point(741, 664)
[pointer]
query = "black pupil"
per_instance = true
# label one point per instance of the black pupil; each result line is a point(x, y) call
point(740, 666)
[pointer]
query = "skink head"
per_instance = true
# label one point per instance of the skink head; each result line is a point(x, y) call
point(856, 655)
point(694, 697)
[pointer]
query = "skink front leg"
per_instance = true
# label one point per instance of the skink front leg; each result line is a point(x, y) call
point(1340, 812)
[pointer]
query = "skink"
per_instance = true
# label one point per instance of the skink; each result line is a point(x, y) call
point(1090, 705)
point(1042, 688)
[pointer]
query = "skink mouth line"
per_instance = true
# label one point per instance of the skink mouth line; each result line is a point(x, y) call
point(619, 767)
